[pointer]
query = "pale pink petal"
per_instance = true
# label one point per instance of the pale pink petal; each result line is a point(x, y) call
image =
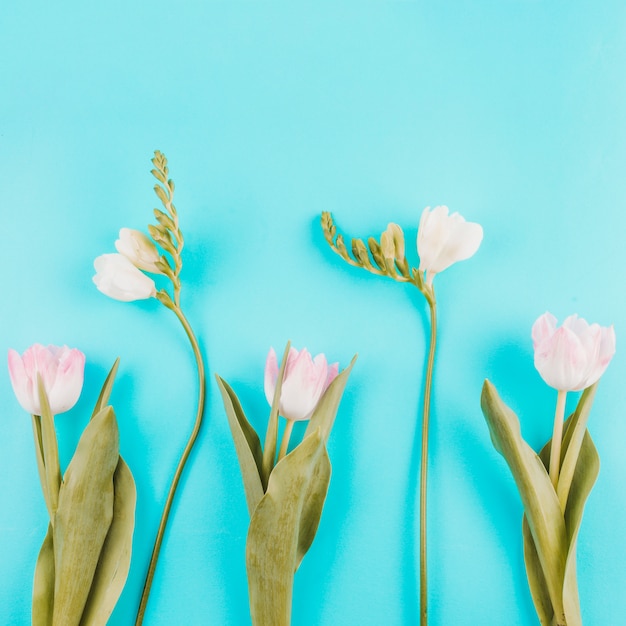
point(602, 355)
point(333, 371)
point(271, 375)
point(561, 359)
point(20, 382)
point(63, 394)
point(543, 328)
point(61, 371)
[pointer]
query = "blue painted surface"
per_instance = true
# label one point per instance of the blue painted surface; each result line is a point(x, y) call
point(511, 113)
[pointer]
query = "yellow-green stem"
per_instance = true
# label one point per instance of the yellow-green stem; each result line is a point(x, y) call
point(557, 436)
point(181, 465)
point(284, 444)
point(424, 464)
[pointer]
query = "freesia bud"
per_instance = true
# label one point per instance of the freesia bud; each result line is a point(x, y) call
point(574, 356)
point(118, 278)
point(392, 243)
point(139, 249)
point(304, 382)
point(61, 371)
point(444, 239)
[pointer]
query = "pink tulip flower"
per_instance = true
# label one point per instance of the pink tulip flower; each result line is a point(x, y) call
point(444, 239)
point(574, 356)
point(305, 381)
point(61, 371)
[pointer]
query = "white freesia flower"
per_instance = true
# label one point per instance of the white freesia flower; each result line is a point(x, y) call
point(118, 278)
point(444, 239)
point(138, 249)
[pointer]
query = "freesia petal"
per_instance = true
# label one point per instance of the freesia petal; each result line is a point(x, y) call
point(118, 278)
point(138, 249)
point(444, 239)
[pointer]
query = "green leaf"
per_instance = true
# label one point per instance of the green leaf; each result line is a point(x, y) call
point(273, 536)
point(107, 387)
point(580, 484)
point(314, 499)
point(323, 417)
point(114, 561)
point(84, 516)
point(585, 475)
point(269, 448)
point(247, 445)
point(536, 579)
point(43, 587)
point(541, 505)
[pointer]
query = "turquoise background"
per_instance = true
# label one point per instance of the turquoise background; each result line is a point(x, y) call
point(511, 112)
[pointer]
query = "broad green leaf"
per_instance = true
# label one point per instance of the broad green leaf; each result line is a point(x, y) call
point(247, 445)
point(323, 417)
point(107, 387)
point(84, 516)
point(269, 447)
point(114, 561)
point(273, 536)
point(536, 579)
point(541, 505)
point(41, 466)
point(314, 499)
point(581, 483)
point(585, 475)
point(43, 587)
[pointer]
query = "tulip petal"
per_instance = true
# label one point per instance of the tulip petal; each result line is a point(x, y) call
point(574, 356)
point(61, 371)
point(271, 374)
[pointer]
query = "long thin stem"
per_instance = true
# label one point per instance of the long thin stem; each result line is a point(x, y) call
point(557, 436)
point(179, 469)
point(284, 444)
point(424, 464)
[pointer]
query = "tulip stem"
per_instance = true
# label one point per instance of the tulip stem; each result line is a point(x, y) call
point(181, 463)
point(424, 464)
point(284, 443)
point(557, 436)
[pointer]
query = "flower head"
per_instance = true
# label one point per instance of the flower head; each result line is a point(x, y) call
point(304, 382)
point(118, 278)
point(139, 249)
point(392, 243)
point(61, 370)
point(444, 239)
point(574, 356)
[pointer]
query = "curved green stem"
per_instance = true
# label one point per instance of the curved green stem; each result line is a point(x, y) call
point(424, 464)
point(557, 436)
point(181, 464)
point(284, 444)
